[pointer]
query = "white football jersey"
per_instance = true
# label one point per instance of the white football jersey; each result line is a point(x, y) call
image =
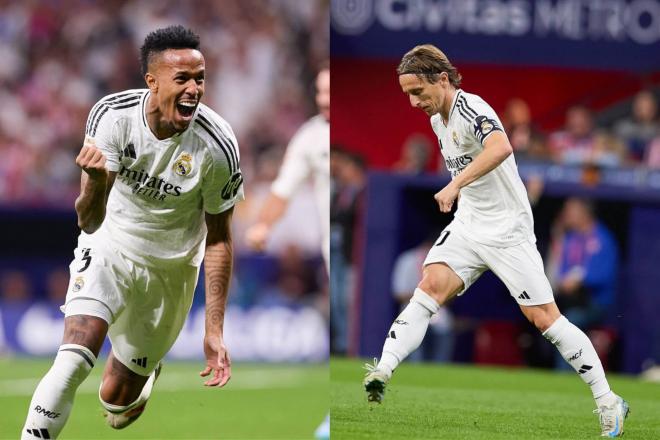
point(308, 154)
point(155, 211)
point(494, 208)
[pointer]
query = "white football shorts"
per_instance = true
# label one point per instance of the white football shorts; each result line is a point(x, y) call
point(520, 267)
point(145, 306)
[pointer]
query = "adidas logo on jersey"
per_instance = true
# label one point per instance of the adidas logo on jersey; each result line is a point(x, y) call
point(39, 433)
point(524, 295)
point(141, 362)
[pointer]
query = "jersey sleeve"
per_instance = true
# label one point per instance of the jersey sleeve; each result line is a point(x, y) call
point(482, 121)
point(295, 167)
point(102, 128)
point(223, 182)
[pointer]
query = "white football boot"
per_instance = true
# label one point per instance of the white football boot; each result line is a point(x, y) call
point(612, 417)
point(119, 420)
point(374, 382)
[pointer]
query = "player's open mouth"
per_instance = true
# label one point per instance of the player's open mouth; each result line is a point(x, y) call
point(186, 108)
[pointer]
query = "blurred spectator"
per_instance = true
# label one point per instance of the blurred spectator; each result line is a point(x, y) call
point(15, 299)
point(641, 127)
point(583, 264)
point(608, 151)
point(653, 154)
point(405, 277)
point(526, 140)
point(574, 144)
point(349, 178)
point(415, 155)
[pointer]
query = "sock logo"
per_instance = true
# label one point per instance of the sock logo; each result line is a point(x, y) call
point(141, 362)
point(584, 368)
point(575, 356)
point(524, 295)
point(47, 413)
point(391, 335)
point(39, 433)
point(400, 322)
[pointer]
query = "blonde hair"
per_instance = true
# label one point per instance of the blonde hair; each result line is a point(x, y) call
point(428, 62)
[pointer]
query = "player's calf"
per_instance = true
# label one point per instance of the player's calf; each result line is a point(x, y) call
point(53, 398)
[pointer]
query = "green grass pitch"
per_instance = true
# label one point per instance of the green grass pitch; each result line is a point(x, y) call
point(261, 401)
point(429, 401)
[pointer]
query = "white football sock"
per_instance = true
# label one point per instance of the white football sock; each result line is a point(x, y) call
point(408, 330)
point(576, 348)
point(52, 400)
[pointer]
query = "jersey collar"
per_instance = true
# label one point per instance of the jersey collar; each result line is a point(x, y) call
point(453, 106)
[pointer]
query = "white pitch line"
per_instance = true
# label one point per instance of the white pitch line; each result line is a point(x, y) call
point(254, 379)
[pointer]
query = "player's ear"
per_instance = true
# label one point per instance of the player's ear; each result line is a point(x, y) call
point(444, 77)
point(151, 82)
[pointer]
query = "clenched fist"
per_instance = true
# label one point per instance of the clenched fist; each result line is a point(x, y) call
point(92, 160)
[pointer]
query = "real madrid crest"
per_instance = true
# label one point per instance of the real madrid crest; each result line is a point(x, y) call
point(78, 284)
point(486, 126)
point(183, 165)
point(454, 136)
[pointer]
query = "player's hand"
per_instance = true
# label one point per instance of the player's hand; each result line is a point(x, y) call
point(92, 160)
point(446, 197)
point(217, 361)
point(257, 235)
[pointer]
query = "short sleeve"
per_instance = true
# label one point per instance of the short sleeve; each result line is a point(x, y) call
point(295, 167)
point(483, 120)
point(102, 128)
point(223, 181)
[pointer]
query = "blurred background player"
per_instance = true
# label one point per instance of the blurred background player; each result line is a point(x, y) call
point(492, 230)
point(150, 157)
point(307, 156)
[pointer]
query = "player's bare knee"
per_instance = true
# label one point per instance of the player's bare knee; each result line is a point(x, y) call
point(440, 282)
point(120, 385)
point(88, 331)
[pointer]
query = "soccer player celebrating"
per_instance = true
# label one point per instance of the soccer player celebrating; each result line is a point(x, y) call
point(492, 229)
point(160, 177)
point(308, 154)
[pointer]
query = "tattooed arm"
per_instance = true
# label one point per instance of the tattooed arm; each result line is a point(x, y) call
point(217, 269)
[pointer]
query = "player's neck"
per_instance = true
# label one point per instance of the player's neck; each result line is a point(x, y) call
point(160, 128)
point(445, 108)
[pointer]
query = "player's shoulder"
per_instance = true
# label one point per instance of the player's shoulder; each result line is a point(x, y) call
point(312, 128)
point(112, 107)
point(470, 103)
point(122, 99)
point(210, 124)
point(217, 135)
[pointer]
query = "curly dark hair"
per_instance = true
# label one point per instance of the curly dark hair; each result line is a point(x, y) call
point(171, 37)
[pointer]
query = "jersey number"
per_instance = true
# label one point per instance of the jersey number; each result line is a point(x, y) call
point(444, 238)
point(86, 258)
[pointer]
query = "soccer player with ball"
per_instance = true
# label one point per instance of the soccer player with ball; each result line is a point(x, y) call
point(492, 230)
point(160, 177)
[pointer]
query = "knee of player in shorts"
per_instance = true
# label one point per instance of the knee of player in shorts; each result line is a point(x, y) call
point(542, 319)
point(437, 285)
point(117, 391)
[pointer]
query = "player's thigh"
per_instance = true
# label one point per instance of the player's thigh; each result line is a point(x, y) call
point(451, 266)
point(99, 280)
point(153, 317)
point(520, 268)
